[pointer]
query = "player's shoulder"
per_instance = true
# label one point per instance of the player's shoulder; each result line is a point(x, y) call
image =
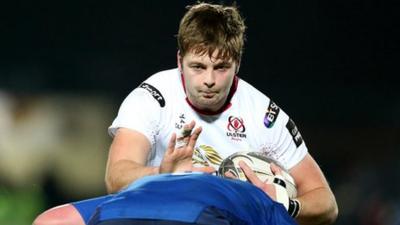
point(163, 77)
point(251, 95)
point(247, 86)
point(161, 85)
point(261, 105)
point(166, 81)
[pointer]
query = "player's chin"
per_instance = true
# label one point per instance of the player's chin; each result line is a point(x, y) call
point(209, 103)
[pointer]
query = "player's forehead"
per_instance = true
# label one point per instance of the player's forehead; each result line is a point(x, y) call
point(215, 57)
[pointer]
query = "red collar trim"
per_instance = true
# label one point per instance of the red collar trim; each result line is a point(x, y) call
point(227, 104)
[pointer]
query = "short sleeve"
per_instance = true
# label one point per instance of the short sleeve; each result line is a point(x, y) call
point(140, 112)
point(289, 146)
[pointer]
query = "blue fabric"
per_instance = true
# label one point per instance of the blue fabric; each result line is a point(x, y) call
point(87, 207)
point(188, 198)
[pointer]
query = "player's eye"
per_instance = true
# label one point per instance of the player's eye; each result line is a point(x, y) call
point(196, 67)
point(222, 68)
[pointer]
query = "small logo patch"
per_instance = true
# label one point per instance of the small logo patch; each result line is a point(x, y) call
point(236, 128)
point(154, 92)
point(294, 132)
point(236, 124)
point(271, 114)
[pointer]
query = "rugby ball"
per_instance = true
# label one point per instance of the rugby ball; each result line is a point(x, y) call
point(260, 164)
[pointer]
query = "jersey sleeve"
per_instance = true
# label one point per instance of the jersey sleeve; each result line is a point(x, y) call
point(140, 112)
point(289, 146)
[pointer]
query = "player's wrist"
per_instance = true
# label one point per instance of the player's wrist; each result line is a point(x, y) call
point(281, 195)
point(294, 207)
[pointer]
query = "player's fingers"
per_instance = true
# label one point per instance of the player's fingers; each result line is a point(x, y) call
point(270, 189)
point(184, 135)
point(181, 141)
point(276, 170)
point(171, 144)
point(193, 138)
point(191, 125)
point(187, 128)
point(228, 174)
point(251, 176)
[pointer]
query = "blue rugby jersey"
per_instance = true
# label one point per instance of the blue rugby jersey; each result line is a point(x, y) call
point(185, 197)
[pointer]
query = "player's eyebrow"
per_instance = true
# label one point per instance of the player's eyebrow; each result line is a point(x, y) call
point(196, 63)
point(223, 64)
point(220, 64)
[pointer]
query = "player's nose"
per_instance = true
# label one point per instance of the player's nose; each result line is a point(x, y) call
point(209, 78)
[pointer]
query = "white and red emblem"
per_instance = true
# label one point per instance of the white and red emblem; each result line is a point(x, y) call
point(236, 128)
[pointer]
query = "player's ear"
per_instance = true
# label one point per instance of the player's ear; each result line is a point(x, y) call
point(179, 61)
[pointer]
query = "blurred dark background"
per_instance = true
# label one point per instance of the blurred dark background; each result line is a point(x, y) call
point(65, 67)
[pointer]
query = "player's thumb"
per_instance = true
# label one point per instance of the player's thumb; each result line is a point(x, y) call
point(276, 170)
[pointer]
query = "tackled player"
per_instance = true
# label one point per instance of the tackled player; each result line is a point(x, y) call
point(230, 115)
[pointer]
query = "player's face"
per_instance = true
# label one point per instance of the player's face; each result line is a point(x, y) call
point(207, 79)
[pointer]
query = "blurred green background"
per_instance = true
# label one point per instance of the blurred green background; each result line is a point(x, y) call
point(65, 68)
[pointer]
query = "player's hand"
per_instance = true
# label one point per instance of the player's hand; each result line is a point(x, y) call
point(178, 156)
point(268, 188)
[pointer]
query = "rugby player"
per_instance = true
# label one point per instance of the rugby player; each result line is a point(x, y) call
point(219, 114)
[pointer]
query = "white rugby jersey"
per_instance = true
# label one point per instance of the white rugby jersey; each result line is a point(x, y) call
point(251, 121)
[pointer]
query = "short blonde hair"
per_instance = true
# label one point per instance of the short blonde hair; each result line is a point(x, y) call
point(208, 27)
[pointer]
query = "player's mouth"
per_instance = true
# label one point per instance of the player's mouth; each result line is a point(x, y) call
point(207, 94)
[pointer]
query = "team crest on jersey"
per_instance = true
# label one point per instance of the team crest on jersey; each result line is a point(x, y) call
point(294, 132)
point(271, 114)
point(236, 128)
point(154, 92)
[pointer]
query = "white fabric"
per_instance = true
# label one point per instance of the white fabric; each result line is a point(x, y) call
point(141, 111)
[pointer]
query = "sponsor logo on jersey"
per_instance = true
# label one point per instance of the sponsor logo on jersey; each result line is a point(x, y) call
point(294, 132)
point(236, 128)
point(205, 155)
point(154, 92)
point(271, 114)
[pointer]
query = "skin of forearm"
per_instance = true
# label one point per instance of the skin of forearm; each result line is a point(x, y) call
point(317, 207)
point(125, 172)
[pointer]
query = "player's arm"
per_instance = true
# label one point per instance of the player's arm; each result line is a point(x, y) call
point(318, 204)
point(127, 159)
point(129, 152)
point(133, 131)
